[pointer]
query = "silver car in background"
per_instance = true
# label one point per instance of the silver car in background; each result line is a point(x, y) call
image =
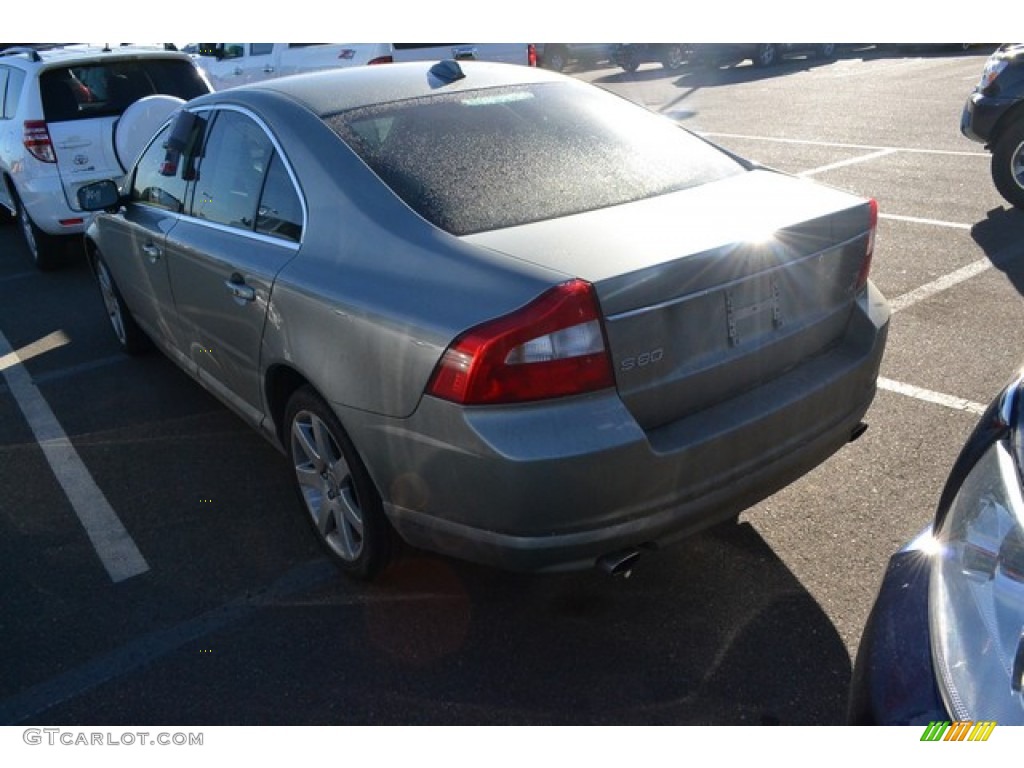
point(500, 312)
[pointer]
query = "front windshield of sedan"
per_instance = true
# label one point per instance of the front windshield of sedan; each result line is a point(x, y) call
point(473, 161)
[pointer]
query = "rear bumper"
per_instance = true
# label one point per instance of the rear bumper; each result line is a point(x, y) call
point(893, 678)
point(556, 486)
point(43, 198)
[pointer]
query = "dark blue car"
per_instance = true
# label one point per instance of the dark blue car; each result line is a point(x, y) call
point(994, 116)
point(945, 639)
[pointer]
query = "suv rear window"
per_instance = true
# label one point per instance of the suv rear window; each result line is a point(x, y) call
point(480, 160)
point(107, 88)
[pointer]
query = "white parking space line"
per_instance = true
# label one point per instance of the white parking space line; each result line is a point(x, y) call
point(114, 546)
point(932, 222)
point(941, 284)
point(929, 396)
point(850, 161)
point(841, 145)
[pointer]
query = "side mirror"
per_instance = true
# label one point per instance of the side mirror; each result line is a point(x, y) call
point(99, 196)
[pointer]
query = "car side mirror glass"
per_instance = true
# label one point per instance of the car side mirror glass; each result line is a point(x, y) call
point(99, 196)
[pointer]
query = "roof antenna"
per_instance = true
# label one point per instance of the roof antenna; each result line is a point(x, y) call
point(447, 71)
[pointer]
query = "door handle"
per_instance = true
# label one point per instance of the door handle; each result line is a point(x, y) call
point(153, 252)
point(239, 290)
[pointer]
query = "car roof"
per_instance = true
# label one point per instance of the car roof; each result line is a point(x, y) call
point(68, 55)
point(336, 90)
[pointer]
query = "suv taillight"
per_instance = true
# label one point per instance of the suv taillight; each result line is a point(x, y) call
point(387, 59)
point(869, 250)
point(36, 138)
point(531, 55)
point(552, 347)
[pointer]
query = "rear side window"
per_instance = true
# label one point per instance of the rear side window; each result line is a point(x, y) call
point(15, 84)
point(107, 88)
point(4, 77)
point(280, 212)
point(480, 160)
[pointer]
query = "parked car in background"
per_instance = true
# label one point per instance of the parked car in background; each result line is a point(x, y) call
point(639, 338)
point(630, 56)
point(559, 56)
point(60, 107)
point(761, 54)
point(994, 116)
point(524, 54)
point(944, 640)
point(231, 64)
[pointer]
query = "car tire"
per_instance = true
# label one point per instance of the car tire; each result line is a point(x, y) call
point(629, 61)
point(766, 55)
point(46, 250)
point(130, 337)
point(338, 496)
point(1008, 163)
point(555, 59)
point(826, 51)
point(673, 57)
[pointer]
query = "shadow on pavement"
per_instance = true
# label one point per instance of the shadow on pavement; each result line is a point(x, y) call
point(715, 630)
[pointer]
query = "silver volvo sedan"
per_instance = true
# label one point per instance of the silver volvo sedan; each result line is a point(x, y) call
point(494, 310)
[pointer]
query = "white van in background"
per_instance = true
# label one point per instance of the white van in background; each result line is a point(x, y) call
point(230, 64)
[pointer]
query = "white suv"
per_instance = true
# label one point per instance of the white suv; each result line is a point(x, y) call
point(58, 111)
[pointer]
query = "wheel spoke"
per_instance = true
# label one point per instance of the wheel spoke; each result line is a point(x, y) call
point(327, 516)
point(304, 441)
point(324, 442)
point(309, 479)
point(352, 514)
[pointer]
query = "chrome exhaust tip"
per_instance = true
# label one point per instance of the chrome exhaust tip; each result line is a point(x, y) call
point(619, 563)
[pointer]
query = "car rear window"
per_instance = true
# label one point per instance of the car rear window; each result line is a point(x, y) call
point(480, 160)
point(107, 88)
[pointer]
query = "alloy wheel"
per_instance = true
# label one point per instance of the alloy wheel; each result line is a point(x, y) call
point(327, 485)
point(111, 301)
point(27, 233)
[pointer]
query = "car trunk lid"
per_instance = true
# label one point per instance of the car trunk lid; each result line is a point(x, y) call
point(711, 291)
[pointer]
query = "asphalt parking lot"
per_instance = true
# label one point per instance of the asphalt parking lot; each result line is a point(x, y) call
point(198, 597)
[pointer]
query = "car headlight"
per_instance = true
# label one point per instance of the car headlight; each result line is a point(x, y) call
point(993, 68)
point(976, 597)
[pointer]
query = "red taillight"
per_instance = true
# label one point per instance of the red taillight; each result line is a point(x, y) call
point(552, 347)
point(869, 250)
point(36, 138)
point(531, 55)
point(381, 60)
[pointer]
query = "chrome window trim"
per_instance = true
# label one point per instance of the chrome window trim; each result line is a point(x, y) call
point(246, 233)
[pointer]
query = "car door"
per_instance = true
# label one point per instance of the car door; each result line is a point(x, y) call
point(244, 224)
point(134, 243)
